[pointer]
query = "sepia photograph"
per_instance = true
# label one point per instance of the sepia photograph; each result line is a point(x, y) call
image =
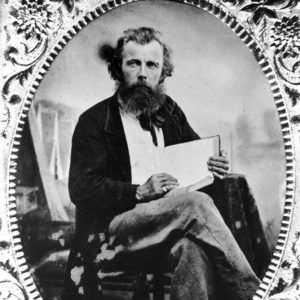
point(151, 163)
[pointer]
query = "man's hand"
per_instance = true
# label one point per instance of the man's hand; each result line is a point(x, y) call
point(156, 186)
point(218, 165)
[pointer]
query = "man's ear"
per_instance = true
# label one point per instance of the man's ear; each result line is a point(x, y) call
point(162, 78)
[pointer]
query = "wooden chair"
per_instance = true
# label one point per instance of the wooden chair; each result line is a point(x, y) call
point(234, 199)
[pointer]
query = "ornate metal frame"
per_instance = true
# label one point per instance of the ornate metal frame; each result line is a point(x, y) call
point(32, 35)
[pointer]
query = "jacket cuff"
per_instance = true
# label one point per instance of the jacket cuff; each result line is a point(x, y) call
point(128, 198)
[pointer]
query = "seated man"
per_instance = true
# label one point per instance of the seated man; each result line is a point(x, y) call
point(124, 225)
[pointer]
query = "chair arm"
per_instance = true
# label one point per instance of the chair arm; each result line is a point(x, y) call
point(236, 203)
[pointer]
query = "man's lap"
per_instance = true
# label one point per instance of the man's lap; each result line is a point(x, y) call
point(148, 219)
point(145, 234)
point(142, 239)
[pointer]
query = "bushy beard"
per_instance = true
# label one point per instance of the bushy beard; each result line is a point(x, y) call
point(139, 98)
point(145, 103)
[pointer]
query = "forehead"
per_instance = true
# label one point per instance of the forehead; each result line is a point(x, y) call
point(152, 50)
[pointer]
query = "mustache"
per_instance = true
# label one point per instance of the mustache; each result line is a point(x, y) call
point(140, 98)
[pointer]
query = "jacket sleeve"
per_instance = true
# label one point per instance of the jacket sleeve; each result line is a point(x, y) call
point(90, 187)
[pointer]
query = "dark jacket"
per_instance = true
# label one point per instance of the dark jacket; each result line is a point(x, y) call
point(100, 186)
point(100, 173)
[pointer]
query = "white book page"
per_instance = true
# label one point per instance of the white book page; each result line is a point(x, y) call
point(188, 161)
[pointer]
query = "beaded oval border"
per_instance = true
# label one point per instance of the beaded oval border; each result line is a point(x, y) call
point(250, 41)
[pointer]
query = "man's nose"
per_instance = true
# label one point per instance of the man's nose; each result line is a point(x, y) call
point(142, 76)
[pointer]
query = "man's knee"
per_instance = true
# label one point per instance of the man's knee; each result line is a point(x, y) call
point(192, 204)
point(198, 200)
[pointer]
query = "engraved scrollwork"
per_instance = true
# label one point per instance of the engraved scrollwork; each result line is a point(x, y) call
point(4, 118)
point(262, 13)
point(10, 288)
point(234, 2)
point(68, 3)
point(16, 57)
point(294, 97)
point(288, 283)
point(36, 22)
point(293, 94)
point(261, 9)
point(32, 22)
point(27, 34)
point(281, 35)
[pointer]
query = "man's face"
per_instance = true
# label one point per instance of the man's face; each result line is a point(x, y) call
point(142, 63)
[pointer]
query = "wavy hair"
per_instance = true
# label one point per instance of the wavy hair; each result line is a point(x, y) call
point(142, 35)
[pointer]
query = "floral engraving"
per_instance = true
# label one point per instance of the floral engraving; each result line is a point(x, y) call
point(33, 19)
point(285, 37)
point(261, 9)
point(37, 22)
point(28, 30)
point(10, 288)
point(285, 40)
point(262, 14)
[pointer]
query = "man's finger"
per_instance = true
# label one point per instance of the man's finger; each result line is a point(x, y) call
point(171, 186)
point(166, 176)
point(219, 158)
point(218, 170)
point(218, 164)
point(168, 181)
point(159, 177)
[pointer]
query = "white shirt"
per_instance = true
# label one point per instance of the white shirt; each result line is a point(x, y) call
point(145, 157)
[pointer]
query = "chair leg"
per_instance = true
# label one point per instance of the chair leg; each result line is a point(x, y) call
point(158, 286)
point(140, 288)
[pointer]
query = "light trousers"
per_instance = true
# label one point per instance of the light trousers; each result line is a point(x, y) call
point(185, 235)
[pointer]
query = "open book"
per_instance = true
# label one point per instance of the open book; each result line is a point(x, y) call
point(188, 162)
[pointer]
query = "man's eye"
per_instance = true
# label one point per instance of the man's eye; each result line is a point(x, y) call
point(152, 65)
point(132, 63)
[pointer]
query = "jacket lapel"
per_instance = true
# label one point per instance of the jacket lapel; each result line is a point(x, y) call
point(170, 126)
point(116, 139)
